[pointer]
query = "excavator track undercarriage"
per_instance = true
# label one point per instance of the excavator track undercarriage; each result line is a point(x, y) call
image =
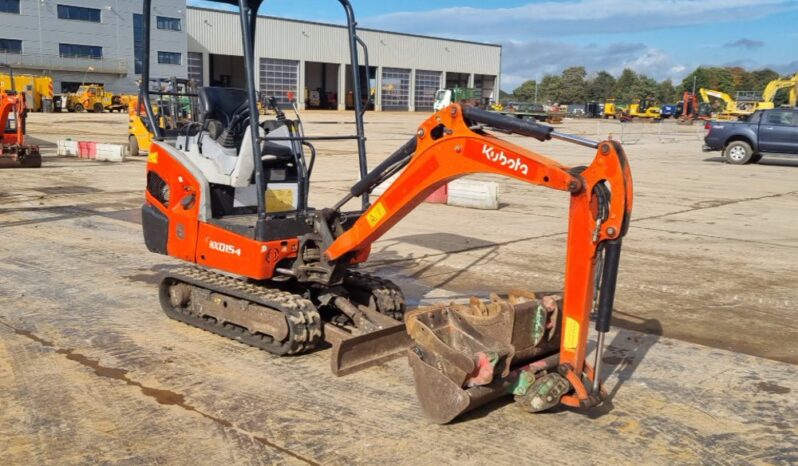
point(270, 319)
point(361, 319)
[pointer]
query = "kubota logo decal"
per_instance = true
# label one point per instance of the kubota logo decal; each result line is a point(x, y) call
point(498, 157)
point(225, 248)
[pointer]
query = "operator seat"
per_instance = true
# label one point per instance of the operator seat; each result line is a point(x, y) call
point(220, 103)
point(218, 107)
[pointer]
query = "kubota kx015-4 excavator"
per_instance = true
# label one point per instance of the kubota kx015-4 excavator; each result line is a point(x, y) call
point(14, 153)
point(230, 195)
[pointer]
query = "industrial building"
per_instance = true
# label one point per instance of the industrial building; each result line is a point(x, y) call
point(309, 62)
point(102, 42)
point(97, 41)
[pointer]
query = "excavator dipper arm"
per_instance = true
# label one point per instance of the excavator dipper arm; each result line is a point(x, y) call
point(452, 144)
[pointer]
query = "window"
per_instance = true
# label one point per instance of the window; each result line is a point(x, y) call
point(427, 84)
point(10, 46)
point(168, 58)
point(80, 51)
point(195, 67)
point(279, 78)
point(9, 6)
point(395, 88)
point(79, 13)
point(780, 117)
point(171, 24)
point(71, 86)
point(138, 43)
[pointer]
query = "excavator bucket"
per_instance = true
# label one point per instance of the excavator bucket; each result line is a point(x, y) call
point(464, 356)
point(20, 157)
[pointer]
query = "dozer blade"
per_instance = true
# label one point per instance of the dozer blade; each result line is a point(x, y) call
point(352, 353)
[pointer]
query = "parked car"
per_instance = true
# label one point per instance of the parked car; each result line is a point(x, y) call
point(762, 133)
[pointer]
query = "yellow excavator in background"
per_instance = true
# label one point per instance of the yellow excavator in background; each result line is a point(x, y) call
point(730, 110)
point(769, 94)
point(748, 103)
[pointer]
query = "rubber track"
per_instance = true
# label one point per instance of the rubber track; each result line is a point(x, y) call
point(304, 321)
point(387, 295)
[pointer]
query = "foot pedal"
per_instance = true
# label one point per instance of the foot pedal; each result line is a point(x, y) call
point(544, 393)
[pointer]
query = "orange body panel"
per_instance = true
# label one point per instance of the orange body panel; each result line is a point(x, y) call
point(183, 223)
point(9, 105)
point(224, 250)
point(203, 243)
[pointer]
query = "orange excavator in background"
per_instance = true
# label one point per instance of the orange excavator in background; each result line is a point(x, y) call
point(230, 197)
point(689, 109)
point(14, 153)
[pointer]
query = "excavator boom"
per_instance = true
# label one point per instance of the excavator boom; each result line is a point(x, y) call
point(452, 144)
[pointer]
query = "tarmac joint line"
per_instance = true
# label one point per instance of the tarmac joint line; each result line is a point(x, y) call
point(162, 397)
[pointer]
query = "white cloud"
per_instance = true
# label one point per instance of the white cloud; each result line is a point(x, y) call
point(551, 18)
point(536, 58)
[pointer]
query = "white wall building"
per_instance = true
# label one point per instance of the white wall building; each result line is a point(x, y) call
point(101, 41)
point(95, 41)
point(310, 61)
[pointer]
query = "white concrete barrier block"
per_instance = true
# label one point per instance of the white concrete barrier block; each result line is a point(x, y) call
point(474, 194)
point(111, 152)
point(67, 148)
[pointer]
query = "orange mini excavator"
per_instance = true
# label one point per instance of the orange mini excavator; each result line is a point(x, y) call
point(230, 195)
point(14, 153)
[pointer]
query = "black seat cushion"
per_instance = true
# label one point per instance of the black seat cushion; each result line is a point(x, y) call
point(282, 152)
point(220, 103)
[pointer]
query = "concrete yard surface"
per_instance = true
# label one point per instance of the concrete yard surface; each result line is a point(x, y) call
point(701, 358)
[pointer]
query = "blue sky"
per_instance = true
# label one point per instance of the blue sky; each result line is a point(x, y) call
point(661, 38)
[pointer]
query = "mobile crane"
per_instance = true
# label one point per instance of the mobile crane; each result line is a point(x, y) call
point(230, 197)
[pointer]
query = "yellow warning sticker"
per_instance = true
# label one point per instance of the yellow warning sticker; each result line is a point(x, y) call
point(571, 334)
point(279, 200)
point(152, 157)
point(375, 214)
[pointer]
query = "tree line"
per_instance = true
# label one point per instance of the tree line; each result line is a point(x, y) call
point(574, 85)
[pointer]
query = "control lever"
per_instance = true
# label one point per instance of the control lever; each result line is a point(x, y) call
point(277, 110)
